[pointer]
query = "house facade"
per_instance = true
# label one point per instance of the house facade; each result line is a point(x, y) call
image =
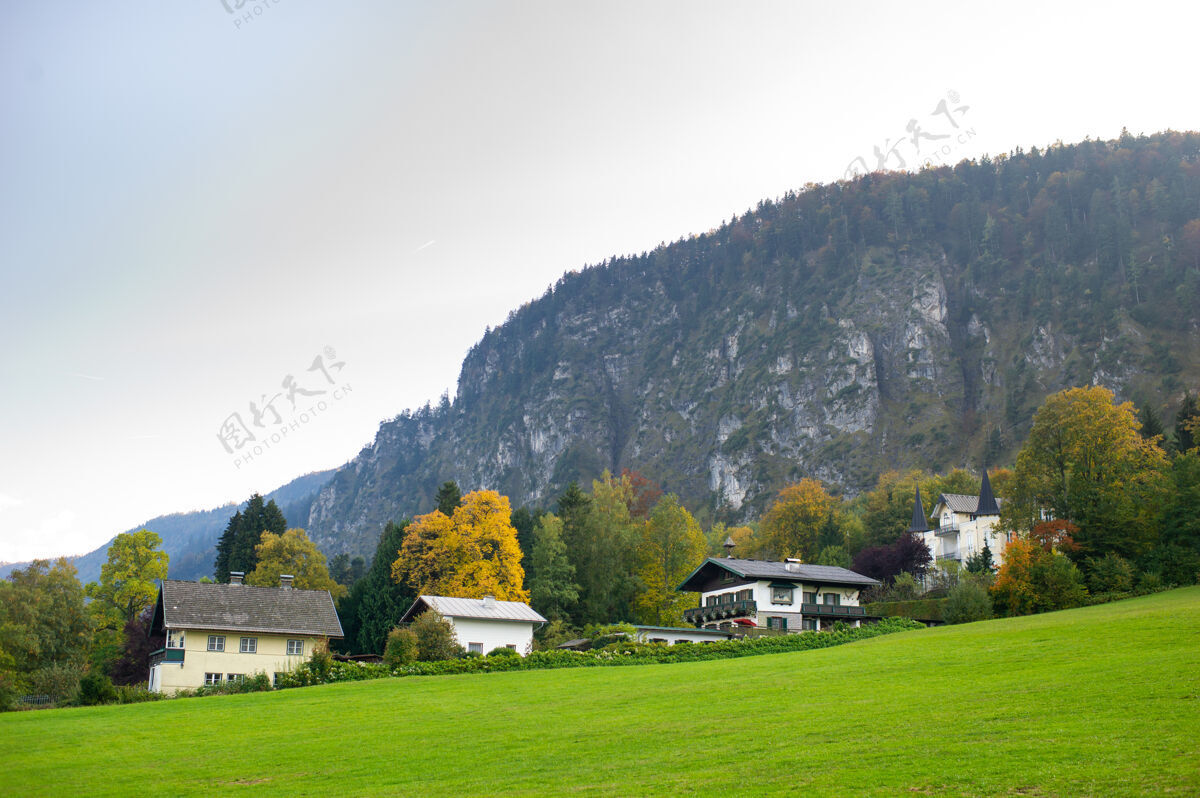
point(226, 632)
point(673, 634)
point(483, 624)
point(965, 524)
point(789, 596)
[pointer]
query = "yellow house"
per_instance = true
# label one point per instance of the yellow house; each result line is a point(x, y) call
point(217, 633)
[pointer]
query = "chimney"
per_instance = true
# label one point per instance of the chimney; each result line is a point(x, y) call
point(729, 546)
point(285, 581)
point(792, 564)
point(489, 602)
point(235, 577)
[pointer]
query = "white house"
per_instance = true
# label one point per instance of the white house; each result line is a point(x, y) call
point(674, 634)
point(225, 632)
point(965, 524)
point(785, 595)
point(483, 624)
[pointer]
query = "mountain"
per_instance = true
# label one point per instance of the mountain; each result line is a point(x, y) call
point(894, 320)
point(191, 538)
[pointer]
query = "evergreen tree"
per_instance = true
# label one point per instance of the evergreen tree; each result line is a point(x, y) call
point(236, 550)
point(377, 601)
point(448, 497)
point(980, 562)
point(525, 521)
point(1152, 425)
point(1186, 436)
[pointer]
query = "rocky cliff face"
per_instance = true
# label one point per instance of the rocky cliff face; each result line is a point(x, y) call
point(799, 340)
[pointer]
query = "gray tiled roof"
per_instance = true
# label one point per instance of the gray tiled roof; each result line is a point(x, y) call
point(793, 572)
point(960, 503)
point(475, 608)
point(246, 608)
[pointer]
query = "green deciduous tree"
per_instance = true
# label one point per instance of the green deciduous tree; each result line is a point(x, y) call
point(43, 621)
point(292, 553)
point(672, 546)
point(1086, 463)
point(602, 540)
point(552, 590)
point(128, 579)
point(1033, 579)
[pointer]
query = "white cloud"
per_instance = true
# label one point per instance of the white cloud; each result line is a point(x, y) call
point(7, 501)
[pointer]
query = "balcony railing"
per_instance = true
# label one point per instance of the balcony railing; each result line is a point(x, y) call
point(166, 655)
point(717, 612)
point(828, 610)
point(948, 529)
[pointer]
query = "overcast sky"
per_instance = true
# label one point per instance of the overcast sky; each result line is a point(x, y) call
point(197, 205)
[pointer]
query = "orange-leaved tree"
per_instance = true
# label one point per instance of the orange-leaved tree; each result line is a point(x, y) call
point(1034, 579)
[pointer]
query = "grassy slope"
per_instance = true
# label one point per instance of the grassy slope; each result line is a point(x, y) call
point(1098, 701)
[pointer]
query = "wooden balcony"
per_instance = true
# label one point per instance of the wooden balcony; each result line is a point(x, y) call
point(832, 611)
point(166, 655)
point(720, 612)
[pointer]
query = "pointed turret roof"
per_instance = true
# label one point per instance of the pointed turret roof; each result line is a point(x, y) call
point(987, 502)
point(919, 522)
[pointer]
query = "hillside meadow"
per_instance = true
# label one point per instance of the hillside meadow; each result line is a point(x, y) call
point(1098, 701)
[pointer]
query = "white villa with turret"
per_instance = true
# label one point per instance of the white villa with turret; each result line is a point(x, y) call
point(965, 525)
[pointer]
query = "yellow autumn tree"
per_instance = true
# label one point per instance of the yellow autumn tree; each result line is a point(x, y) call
point(472, 554)
point(672, 546)
point(792, 527)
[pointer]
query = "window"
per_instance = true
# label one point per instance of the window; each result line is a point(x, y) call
point(511, 645)
point(726, 577)
point(809, 624)
point(833, 598)
point(216, 642)
point(212, 678)
point(810, 598)
point(776, 622)
point(781, 595)
point(174, 639)
point(237, 678)
point(249, 645)
point(295, 647)
point(476, 647)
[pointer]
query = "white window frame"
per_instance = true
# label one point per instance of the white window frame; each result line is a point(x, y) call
point(173, 641)
point(295, 648)
point(248, 645)
point(212, 679)
point(216, 642)
point(235, 678)
point(477, 647)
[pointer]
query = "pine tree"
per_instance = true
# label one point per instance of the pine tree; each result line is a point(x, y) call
point(448, 498)
point(377, 601)
point(1185, 424)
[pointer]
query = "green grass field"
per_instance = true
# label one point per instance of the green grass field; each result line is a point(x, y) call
point(1100, 701)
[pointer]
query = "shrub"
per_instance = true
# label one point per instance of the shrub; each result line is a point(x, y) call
point(1111, 573)
point(968, 601)
point(904, 587)
point(60, 682)
point(401, 647)
point(320, 662)
point(503, 651)
point(96, 688)
point(435, 638)
point(919, 609)
point(136, 694)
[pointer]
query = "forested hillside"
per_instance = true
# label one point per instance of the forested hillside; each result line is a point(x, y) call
point(895, 320)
